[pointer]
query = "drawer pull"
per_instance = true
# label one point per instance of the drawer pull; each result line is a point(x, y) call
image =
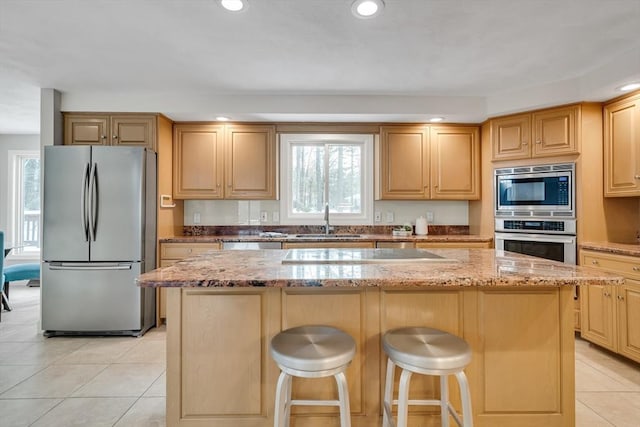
point(594, 261)
point(636, 268)
point(621, 297)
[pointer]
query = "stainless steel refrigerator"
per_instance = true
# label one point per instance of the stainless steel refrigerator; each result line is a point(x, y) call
point(99, 233)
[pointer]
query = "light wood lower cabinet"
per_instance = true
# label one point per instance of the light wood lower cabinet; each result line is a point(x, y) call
point(170, 253)
point(610, 315)
point(220, 373)
point(452, 245)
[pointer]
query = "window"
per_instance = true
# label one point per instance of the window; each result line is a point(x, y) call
point(24, 193)
point(326, 168)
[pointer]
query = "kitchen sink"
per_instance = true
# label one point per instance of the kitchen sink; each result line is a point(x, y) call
point(327, 236)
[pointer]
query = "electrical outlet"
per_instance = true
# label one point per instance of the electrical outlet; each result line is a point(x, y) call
point(276, 216)
point(196, 217)
point(377, 216)
point(263, 216)
point(430, 216)
point(389, 216)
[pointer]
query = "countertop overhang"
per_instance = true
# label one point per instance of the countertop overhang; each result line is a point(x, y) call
point(362, 237)
point(473, 267)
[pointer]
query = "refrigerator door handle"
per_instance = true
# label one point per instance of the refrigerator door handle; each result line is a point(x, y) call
point(84, 267)
point(83, 202)
point(93, 201)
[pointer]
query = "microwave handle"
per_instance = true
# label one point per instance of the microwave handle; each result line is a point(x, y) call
point(536, 237)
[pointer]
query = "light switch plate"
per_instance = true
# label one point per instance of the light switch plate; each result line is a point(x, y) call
point(196, 217)
point(264, 216)
point(430, 216)
point(377, 216)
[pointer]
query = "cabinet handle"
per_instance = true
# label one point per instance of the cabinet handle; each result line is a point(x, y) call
point(525, 143)
point(594, 262)
point(539, 141)
point(636, 176)
point(621, 297)
point(104, 137)
point(189, 250)
point(115, 136)
point(636, 268)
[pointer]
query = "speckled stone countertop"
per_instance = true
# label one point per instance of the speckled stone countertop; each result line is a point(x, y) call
point(628, 249)
point(337, 238)
point(474, 267)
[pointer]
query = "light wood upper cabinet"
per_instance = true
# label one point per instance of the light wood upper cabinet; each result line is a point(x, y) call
point(250, 162)
point(611, 314)
point(622, 147)
point(511, 136)
point(545, 133)
point(404, 162)
point(455, 162)
point(198, 161)
point(429, 162)
point(230, 162)
point(111, 129)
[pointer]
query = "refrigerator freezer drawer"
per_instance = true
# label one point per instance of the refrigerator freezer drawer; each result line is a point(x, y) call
point(95, 298)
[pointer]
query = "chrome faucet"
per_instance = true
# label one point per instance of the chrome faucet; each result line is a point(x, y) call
point(326, 219)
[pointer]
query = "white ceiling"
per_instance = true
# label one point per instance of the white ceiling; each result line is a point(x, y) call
point(311, 60)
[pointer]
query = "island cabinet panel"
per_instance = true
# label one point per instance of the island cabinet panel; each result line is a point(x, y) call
point(220, 350)
point(629, 319)
point(522, 373)
point(344, 309)
point(460, 146)
point(622, 147)
point(220, 373)
point(598, 321)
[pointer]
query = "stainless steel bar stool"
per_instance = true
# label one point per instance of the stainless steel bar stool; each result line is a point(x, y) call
point(429, 352)
point(312, 351)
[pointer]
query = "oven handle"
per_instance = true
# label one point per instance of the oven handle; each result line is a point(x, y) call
point(536, 237)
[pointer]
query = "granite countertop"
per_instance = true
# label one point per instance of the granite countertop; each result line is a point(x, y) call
point(293, 238)
point(473, 267)
point(629, 249)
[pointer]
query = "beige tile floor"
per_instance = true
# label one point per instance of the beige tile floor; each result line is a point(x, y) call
point(95, 382)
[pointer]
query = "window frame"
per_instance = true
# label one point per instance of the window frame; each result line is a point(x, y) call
point(288, 217)
point(15, 213)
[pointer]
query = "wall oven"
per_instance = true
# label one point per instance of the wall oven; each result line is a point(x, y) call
point(535, 191)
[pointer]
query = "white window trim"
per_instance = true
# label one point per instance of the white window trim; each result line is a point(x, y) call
point(13, 196)
point(286, 215)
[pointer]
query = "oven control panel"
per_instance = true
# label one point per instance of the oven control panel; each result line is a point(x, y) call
point(540, 226)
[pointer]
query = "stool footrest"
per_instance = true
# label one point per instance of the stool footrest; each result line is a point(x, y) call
point(315, 402)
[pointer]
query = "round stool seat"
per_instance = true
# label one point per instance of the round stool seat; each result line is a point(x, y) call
point(426, 348)
point(312, 348)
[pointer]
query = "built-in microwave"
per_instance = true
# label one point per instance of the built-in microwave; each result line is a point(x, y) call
point(535, 191)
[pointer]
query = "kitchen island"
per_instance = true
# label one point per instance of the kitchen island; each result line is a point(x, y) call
point(516, 312)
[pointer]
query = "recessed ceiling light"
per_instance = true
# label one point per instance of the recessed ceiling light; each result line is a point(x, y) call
point(234, 5)
point(367, 8)
point(630, 86)
point(436, 119)
point(222, 119)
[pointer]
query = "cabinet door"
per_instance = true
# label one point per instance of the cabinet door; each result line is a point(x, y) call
point(628, 298)
point(134, 130)
point(554, 132)
point(86, 130)
point(404, 162)
point(455, 163)
point(250, 152)
point(621, 145)
point(198, 161)
point(510, 137)
point(597, 314)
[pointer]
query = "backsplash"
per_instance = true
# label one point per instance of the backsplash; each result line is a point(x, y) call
point(248, 230)
point(248, 212)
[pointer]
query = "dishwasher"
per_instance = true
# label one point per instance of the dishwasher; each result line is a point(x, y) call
point(251, 245)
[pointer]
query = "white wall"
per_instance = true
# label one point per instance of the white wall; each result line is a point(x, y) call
point(238, 212)
point(11, 142)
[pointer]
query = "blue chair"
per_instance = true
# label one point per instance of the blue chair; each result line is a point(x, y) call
point(26, 271)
